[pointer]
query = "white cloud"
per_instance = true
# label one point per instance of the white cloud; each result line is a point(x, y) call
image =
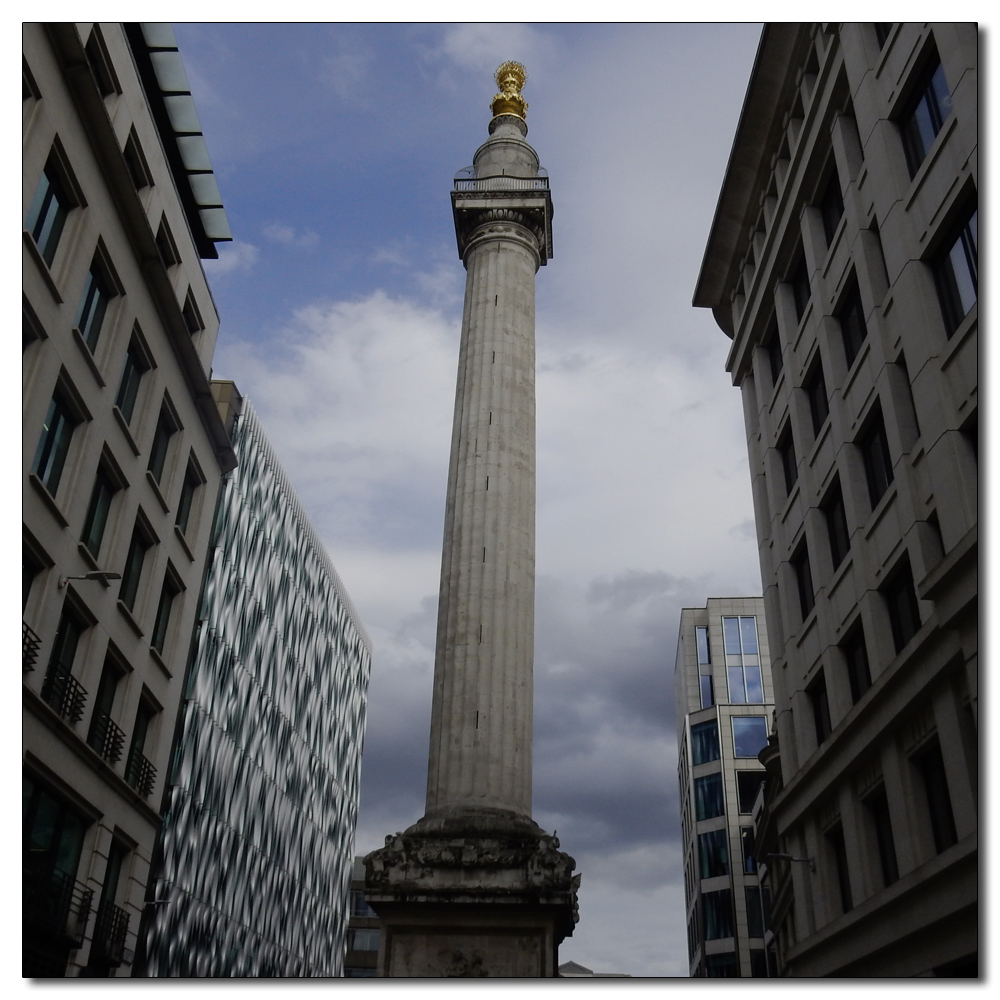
point(484, 46)
point(279, 233)
point(233, 257)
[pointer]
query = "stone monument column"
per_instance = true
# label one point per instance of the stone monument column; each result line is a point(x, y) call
point(475, 887)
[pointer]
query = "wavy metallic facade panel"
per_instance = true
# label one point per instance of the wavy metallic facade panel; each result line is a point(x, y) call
point(259, 829)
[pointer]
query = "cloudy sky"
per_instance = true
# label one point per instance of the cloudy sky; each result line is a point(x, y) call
point(335, 147)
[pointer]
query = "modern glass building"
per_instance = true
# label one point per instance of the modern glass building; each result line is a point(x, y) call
point(254, 862)
point(724, 705)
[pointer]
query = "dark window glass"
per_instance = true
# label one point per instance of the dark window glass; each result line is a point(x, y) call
point(731, 636)
point(878, 808)
point(93, 306)
point(165, 428)
point(713, 854)
point(929, 110)
point(721, 966)
point(755, 916)
point(832, 206)
point(166, 246)
point(53, 837)
point(819, 405)
point(31, 566)
point(820, 708)
point(798, 278)
point(67, 639)
point(167, 594)
point(749, 735)
point(758, 963)
point(60, 690)
point(359, 905)
point(128, 388)
point(786, 449)
point(836, 525)
point(956, 273)
point(878, 462)
point(835, 838)
point(707, 692)
point(747, 785)
point(856, 655)
point(97, 512)
point(53, 444)
point(192, 317)
point(931, 767)
point(718, 910)
point(901, 600)
point(48, 212)
point(772, 346)
point(191, 484)
point(133, 568)
point(704, 742)
point(363, 939)
point(709, 800)
point(701, 639)
point(803, 580)
point(882, 29)
point(853, 329)
point(139, 773)
point(748, 635)
point(746, 841)
point(104, 736)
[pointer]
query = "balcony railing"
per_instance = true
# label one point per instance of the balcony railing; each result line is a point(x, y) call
point(106, 738)
point(29, 647)
point(110, 931)
point(140, 773)
point(55, 906)
point(501, 183)
point(65, 694)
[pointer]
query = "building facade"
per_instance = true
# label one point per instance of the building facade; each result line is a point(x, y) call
point(724, 701)
point(123, 452)
point(251, 873)
point(361, 952)
point(842, 262)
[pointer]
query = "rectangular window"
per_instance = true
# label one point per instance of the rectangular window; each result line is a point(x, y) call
point(709, 800)
point(53, 444)
point(882, 29)
point(721, 966)
point(758, 963)
point(820, 708)
point(746, 842)
point(701, 640)
point(713, 854)
point(139, 771)
point(104, 736)
point(166, 427)
point(835, 839)
point(856, 657)
point(704, 742)
point(755, 916)
point(128, 389)
point(742, 660)
point(170, 590)
point(853, 329)
point(928, 111)
point(803, 580)
point(97, 293)
point(359, 905)
point(798, 278)
point(786, 451)
point(836, 524)
point(135, 160)
point(747, 786)
point(192, 315)
point(772, 347)
point(707, 692)
point(878, 809)
point(49, 208)
point(831, 206)
point(165, 244)
point(874, 447)
point(956, 273)
point(60, 689)
point(930, 764)
point(901, 601)
point(363, 939)
point(192, 480)
point(718, 910)
point(97, 513)
point(133, 567)
point(819, 405)
point(749, 735)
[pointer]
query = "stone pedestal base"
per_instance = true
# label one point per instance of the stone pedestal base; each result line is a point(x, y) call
point(472, 894)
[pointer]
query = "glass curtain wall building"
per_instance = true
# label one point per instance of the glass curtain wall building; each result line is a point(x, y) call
point(255, 858)
point(724, 705)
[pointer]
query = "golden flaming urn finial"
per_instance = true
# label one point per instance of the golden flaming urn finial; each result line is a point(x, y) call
point(510, 77)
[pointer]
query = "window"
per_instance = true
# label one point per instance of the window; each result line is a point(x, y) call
point(878, 809)
point(819, 406)
point(882, 29)
point(53, 445)
point(166, 427)
point(135, 160)
point(53, 839)
point(192, 316)
point(786, 451)
point(746, 842)
point(820, 702)
point(359, 905)
point(718, 910)
point(749, 735)
point(60, 690)
point(97, 293)
point(97, 513)
point(713, 854)
point(171, 588)
point(835, 840)
point(192, 480)
point(704, 742)
point(139, 772)
point(742, 660)
point(111, 925)
point(798, 278)
point(856, 657)
point(104, 736)
point(803, 580)
point(901, 601)
point(747, 786)
point(831, 205)
point(136, 366)
point(721, 966)
point(758, 963)
point(853, 329)
point(875, 451)
point(956, 273)
point(100, 63)
point(709, 800)
point(928, 111)
point(49, 208)
point(836, 524)
point(165, 244)
point(755, 916)
point(772, 348)
point(930, 764)
point(133, 566)
point(362, 939)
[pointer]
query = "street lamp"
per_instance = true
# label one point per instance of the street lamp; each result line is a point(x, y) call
point(787, 857)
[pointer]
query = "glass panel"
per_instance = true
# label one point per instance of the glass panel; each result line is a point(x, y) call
point(737, 695)
point(749, 735)
point(707, 699)
point(701, 638)
point(748, 633)
point(747, 785)
point(713, 854)
point(708, 797)
point(718, 914)
point(731, 635)
point(704, 742)
point(755, 688)
point(755, 918)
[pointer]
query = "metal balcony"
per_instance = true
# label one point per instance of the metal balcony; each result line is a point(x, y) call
point(140, 773)
point(106, 738)
point(55, 907)
point(63, 692)
point(29, 647)
point(110, 931)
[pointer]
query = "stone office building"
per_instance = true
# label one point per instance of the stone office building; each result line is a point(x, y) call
point(724, 700)
point(842, 263)
point(123, 451)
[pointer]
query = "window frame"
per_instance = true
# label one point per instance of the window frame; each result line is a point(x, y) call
point(873, 443)
point(902, 605)
point(736, 739)
point(930, 93)
point(141, 542)
point(816, 393)
point(946, 280)
point(853, 326)
point(802, 571)
point(835, 515)
point(55, 440)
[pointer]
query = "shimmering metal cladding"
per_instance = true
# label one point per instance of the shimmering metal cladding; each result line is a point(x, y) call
point(259, 829)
